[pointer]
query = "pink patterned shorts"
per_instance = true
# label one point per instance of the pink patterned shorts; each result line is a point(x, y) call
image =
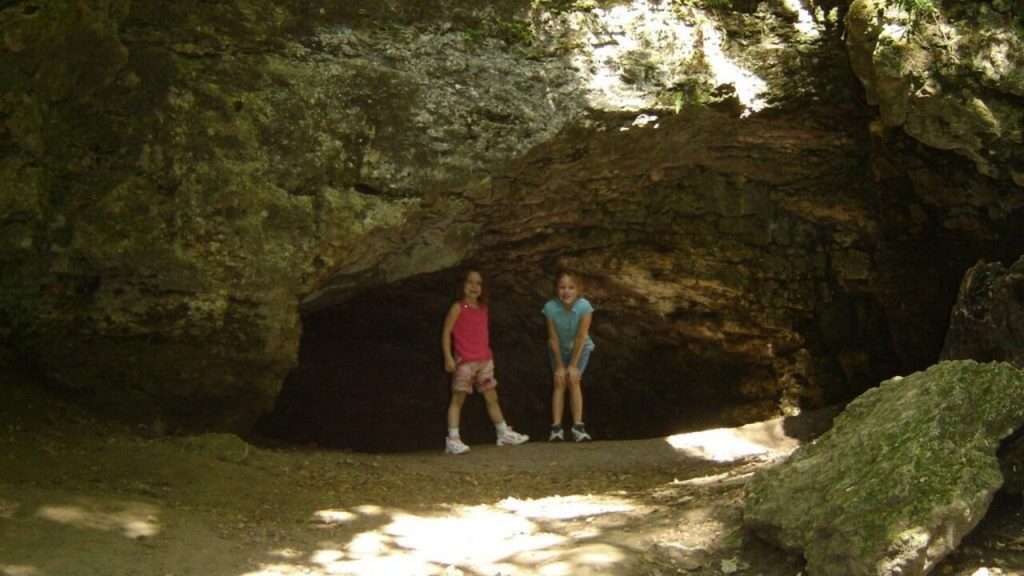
point(470, 375)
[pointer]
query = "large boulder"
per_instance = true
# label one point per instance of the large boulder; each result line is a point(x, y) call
point(985, 326)
point(908, 469)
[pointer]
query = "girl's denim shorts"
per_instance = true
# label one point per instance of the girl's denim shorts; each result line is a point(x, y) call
point(567, 357)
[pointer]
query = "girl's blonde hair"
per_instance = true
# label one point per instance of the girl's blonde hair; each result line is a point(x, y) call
point(460, 285)
point(574, 276)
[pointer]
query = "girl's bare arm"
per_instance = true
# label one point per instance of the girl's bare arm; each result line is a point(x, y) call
point(581, 339)
point(553, 345)
point(446, 336)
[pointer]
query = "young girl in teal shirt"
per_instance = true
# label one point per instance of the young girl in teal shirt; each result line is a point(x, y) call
point(569, 346)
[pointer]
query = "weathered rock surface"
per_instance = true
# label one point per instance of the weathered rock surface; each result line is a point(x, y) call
point(951, 77)
point(907, 470)
point(986, 323)
point(180, 183)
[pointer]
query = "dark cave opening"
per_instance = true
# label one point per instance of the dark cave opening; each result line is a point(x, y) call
point(370, 376)
point(370, 372)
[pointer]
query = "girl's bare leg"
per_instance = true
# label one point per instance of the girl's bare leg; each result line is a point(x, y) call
point(493, 408)
point(455, 408)
point(576, 402)
point(558, 401)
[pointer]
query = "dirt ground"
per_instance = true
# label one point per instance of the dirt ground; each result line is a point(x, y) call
point(80, 496)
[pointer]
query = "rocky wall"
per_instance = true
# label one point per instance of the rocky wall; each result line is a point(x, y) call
point(182, 182)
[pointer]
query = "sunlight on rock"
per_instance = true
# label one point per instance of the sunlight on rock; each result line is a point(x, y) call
point(584, 532)
point(334, 516)
point(13, 570)
point(722, 445)
point(588, 558)
point(327, 556)
point(704, 480)
point(499, 539)
point(396, 564)
point(704, 529)
point(994, 571)
point(565, 507)
point(645, 119)
point(894, 31)
point(283, 570)
point(556, 569)
point(286, 553)
point(636, 50)
point(368, 545)
point(641, 121)
point(629, 47)
point(369, 510)
point(664, 296)
point(910, 543)
point(478, 535)
point(731, 444)
point(805, 24)
point(749, 87)
point(596, 555)
point(133, 520)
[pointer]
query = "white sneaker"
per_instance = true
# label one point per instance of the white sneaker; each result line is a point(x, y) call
point(511, 438)
point(579, 433)
point(455, 446)
point(557, 434)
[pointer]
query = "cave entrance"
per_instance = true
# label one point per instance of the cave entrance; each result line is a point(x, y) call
point(370, 376)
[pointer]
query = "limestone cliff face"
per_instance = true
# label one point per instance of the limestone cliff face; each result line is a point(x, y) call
point(182, 182)
point(951, 77)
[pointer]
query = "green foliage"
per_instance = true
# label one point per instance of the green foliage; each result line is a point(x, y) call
point(518, 31)
point(511, 32)
point(692, 93)
point(563, 6)
point(711, 4)
point(640, 66)
point(917, 7)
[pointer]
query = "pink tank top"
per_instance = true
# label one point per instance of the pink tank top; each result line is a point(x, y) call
point(472, 339)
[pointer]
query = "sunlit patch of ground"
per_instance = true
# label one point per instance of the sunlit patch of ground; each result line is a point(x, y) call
point(554, 536)
point(78, 497)
point(131, 519)
point(762, 439)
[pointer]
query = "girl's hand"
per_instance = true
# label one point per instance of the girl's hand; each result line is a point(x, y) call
point(450, 364)
point(560, 374)
point(574, 375)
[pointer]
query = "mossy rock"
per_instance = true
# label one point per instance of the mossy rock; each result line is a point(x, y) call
point(909, 468)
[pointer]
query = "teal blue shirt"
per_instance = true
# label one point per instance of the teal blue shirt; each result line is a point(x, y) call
point(567, 322)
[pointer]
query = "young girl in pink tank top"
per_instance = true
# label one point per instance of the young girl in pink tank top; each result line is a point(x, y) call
point(472, 365)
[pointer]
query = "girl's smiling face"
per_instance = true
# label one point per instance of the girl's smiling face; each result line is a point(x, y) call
point(568, 290)
point(473, 287)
